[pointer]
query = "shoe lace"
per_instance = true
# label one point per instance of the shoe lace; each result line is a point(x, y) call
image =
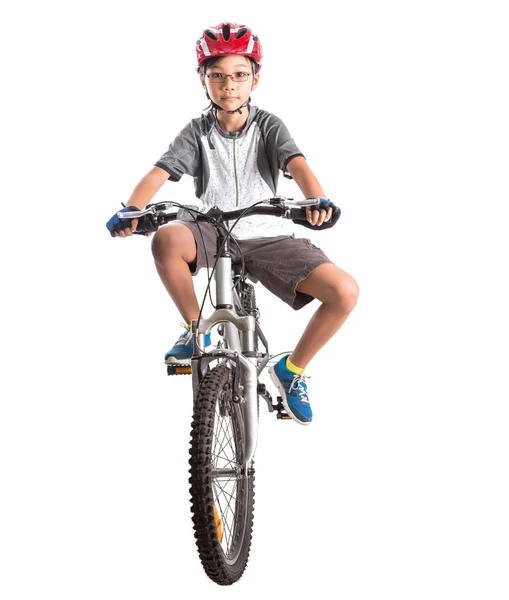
point(300, 386)
point(185, 337)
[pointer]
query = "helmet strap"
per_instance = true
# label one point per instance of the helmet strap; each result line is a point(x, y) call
point(229, 112)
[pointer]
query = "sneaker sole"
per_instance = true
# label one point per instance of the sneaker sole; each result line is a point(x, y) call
point(277, 383)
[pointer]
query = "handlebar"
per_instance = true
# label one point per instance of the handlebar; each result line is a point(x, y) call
point(278, 206)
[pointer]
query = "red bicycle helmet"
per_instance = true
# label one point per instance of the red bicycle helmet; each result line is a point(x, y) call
point(229, 38)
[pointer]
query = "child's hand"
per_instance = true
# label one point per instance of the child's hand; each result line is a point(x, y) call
point(123, 227)
point(320, 217)
point(317, 217)
point(130, 230)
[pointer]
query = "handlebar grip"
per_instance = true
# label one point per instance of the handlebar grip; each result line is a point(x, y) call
point(299, 217)
point(147, 223)
point(298, 214)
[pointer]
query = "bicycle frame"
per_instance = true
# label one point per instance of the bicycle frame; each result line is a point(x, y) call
point(240, 334)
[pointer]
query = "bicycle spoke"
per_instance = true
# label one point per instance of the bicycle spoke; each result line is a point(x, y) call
point(225, 523)
point(229, 517)
point(230, 522)
point(222, 444)
point(220, 421)
point(222, 429)
point(218, 454)
point(225, 490)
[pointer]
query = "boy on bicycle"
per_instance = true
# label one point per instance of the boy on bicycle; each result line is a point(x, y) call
point(235, 152)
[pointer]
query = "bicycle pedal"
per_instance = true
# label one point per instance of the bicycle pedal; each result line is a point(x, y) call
point(280, 410)
point(177, 369)
point(284, 416)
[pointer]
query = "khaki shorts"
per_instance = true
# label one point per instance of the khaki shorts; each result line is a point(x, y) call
point(280, 263)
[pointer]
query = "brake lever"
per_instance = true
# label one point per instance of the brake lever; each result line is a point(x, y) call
point(291, 203)
point(305, 202)
point(150, 209)
point(136, 214)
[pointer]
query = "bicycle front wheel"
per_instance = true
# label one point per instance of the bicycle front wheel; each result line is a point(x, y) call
point(222, 495)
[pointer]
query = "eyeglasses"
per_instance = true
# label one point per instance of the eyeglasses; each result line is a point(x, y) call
point(221, 77)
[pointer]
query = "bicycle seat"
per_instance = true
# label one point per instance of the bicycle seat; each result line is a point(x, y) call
point(237, 270)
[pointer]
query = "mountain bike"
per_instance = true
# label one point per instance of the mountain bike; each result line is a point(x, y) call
point(226, 391)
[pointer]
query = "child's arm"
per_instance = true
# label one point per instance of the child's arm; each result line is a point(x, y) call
point(148, 187)
point(310, 187)
point(143, 193)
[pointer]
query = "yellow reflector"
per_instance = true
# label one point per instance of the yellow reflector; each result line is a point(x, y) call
point(219, 526)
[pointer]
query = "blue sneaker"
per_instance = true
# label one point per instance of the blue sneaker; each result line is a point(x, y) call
point(182, 351)
point(293, 390)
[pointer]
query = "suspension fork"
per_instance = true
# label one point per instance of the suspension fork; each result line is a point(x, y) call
point(240, 332)
point(248, 387)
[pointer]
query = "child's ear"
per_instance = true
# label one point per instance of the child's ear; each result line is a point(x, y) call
point(256, 80)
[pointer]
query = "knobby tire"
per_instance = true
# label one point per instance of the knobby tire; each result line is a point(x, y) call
point(217, 442)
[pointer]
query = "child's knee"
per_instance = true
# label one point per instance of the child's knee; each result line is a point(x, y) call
point(174, 240)
point(342, 292)
point(348, 293)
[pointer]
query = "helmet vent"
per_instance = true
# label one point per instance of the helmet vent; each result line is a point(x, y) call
point(226, 32)
point(210, 34)
point(241, 32)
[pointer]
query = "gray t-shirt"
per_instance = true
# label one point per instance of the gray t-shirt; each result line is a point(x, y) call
point(235, 170)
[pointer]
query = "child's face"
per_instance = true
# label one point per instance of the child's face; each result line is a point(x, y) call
point(229, 94)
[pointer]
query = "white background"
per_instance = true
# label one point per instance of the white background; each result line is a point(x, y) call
point(399, 488)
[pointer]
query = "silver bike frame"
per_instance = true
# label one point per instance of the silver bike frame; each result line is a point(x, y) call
point(240, 334)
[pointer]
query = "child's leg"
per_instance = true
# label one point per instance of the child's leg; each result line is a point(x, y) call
point(338, 291)
point(174, 249)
